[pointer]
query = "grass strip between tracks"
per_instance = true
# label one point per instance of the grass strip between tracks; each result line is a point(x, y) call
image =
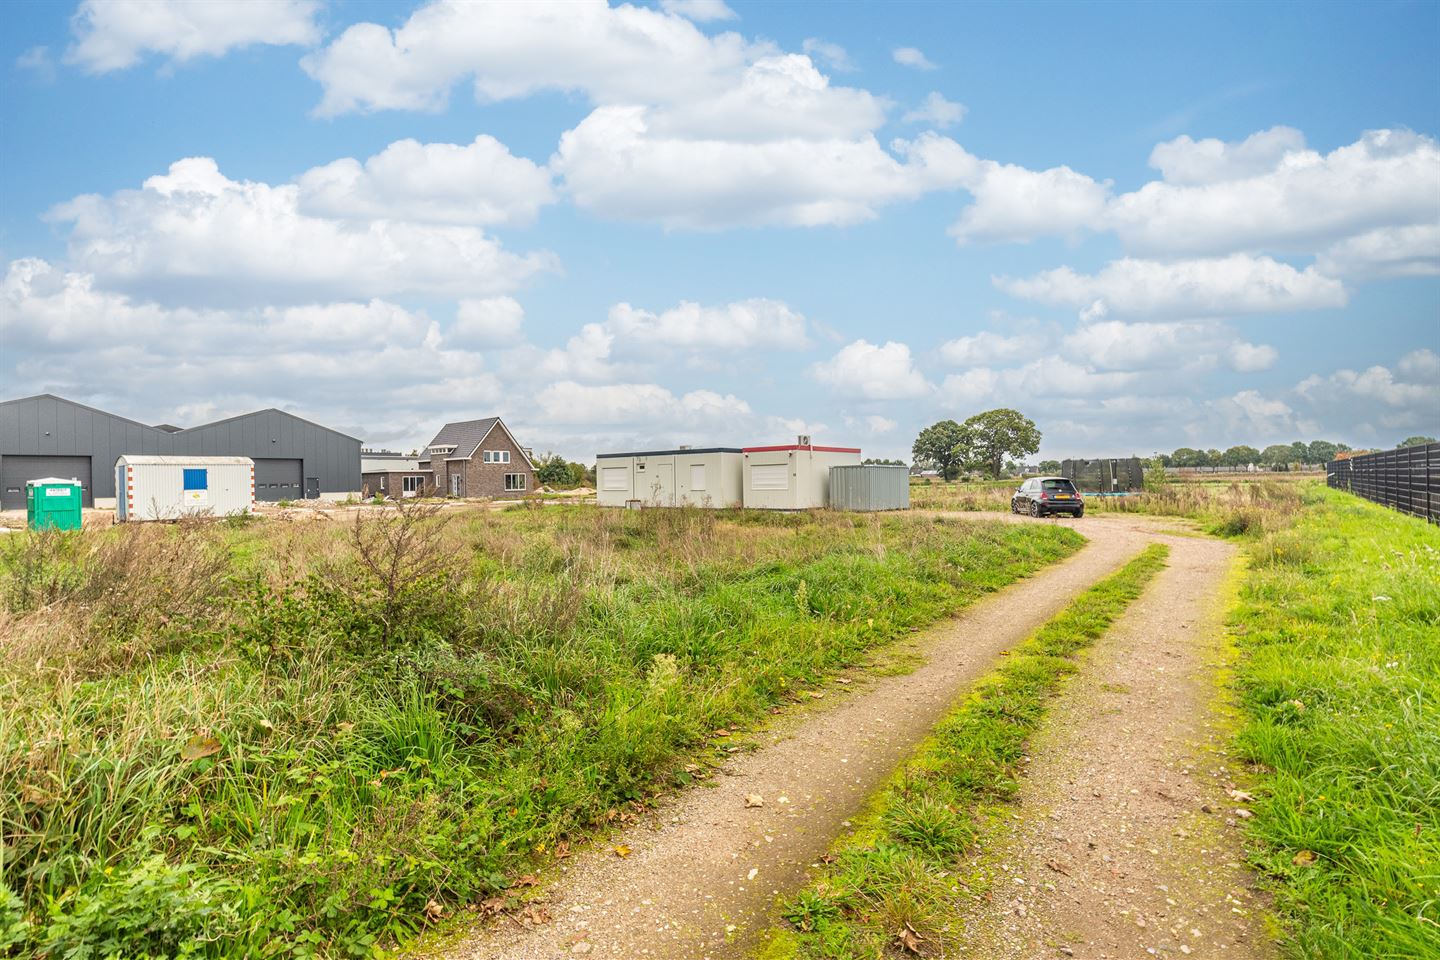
point(891, 886)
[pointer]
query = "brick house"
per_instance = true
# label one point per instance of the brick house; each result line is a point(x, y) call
point(478, 458)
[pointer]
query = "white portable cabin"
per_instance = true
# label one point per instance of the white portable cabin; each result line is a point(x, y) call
point(170, 487)
point(704, 477)
point(794, 476)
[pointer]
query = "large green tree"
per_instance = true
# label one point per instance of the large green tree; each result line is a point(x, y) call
point(936, 445)
point(1415, 441)
point(986, 439)
point(1322, 451)
point(1277, 455)
point(1240, 456)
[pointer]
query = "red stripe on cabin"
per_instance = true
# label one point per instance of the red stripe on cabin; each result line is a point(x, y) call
point(796, 446)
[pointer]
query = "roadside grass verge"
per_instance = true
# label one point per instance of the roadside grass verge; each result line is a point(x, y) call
point(891, 887)
point(1338, 628)
point(308, 738)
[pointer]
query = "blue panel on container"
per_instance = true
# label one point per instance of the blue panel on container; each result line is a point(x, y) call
point(197, 479)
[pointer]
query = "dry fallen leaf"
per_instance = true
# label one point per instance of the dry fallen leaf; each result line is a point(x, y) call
point(754, 800)
point(1240, 796)
point(529, 880)
point(562, 849)
point(621, 850)
point(1305, 858)
point(433, 911)
point(842, 679)
point(911, 941)
point(722, 732)
point(197, 747)
point(535, 914)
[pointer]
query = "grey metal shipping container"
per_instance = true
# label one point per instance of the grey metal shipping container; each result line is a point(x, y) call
point(870, 486)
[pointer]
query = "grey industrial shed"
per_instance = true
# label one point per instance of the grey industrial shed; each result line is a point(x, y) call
point(48, 435)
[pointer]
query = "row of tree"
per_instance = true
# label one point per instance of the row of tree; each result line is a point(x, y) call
point(984, 443)
point(1276, 455)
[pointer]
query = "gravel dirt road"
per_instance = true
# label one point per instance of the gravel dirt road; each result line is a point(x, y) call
point(703, 870)
point(1125, 840)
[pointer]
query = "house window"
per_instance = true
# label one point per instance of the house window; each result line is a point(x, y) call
point(497, 456)
point(442, 450)
point(412, 484)
point(382, 481)
point(514, 481)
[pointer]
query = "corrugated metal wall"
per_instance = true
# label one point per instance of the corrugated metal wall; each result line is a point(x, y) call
point(53, 426)
point(870, 487)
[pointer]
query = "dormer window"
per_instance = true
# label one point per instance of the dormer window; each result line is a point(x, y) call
point(442, 450)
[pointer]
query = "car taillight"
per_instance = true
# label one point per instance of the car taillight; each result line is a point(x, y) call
point(1044, 496)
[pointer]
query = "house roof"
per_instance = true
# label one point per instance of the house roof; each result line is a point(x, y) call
point(465, 436)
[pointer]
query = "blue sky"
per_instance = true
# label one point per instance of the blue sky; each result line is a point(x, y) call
point(1145, 226)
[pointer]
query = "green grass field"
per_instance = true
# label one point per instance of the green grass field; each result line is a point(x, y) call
point(290, 738)
point(1338, 627)
point(895, 877)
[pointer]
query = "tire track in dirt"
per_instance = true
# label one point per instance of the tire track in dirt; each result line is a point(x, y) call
point(1125, 843)
point(703, 871)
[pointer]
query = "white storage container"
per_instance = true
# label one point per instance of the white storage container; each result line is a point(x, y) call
point(706, 477)
point(151, 487)
point(794, 476)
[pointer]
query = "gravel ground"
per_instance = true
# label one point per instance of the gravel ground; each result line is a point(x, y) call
point(701, 874)
point(1126, 844)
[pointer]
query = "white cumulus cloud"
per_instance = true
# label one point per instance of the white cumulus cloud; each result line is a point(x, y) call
point(701, 11)
point(1209, 287)
point(913, 58)
point(873, 371)
point(194, 234)
point(479, 183)
point(115, 34)
point(623, 54)
point(1302, 202)
point(937, 111)
point(567, 402)
point(743, 325)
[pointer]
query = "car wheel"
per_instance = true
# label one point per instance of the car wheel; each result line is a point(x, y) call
point(1035, 508)
point(1079, 513)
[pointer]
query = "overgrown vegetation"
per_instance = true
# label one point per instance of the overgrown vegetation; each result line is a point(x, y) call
point(1338, 627)
point(299, 738)
point(891, 888)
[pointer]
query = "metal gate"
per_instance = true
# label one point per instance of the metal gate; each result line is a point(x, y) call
point(16, 469)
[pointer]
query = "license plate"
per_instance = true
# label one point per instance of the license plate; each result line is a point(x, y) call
point(1062, 496)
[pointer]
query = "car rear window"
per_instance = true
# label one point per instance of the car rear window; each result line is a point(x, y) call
point(1058, 486)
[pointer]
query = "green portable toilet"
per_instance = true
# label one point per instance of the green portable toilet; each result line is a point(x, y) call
point(53, 502)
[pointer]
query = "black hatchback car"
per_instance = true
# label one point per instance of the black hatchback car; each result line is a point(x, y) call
point(1046, 495)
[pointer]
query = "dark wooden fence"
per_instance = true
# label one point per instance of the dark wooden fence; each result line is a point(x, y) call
point(1407, 479)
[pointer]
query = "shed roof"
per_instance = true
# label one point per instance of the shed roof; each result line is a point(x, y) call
point(180, 460)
